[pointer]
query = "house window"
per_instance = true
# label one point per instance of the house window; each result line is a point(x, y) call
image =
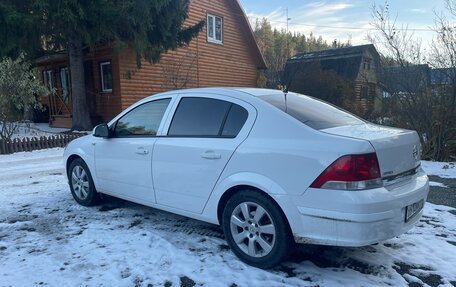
point(106, 76)
point(365, 92)
point(367, 64)
point(48, 79)
point(214, 29)
point(64, 83)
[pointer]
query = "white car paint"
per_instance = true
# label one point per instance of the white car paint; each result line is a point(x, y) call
point(114, 170)
point(274, 153)
point(393, 157)
point(196, 162)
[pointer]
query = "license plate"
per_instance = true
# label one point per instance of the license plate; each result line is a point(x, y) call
point(412, 209)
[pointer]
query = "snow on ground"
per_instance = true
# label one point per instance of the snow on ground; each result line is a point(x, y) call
point(439, 184)
point(30, 130)
point(47, 239)
point(442, 169)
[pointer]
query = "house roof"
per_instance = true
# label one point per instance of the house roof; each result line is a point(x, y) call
point(261, 63)
point(54, 57)
point(344, 61)
point(344, 52)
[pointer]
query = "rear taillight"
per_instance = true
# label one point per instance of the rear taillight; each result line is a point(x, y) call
point(351, 172)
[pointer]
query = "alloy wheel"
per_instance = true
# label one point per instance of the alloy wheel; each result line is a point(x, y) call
point(252, 229)
point(80, 182)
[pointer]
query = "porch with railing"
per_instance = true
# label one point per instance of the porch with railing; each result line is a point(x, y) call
point(59, 107)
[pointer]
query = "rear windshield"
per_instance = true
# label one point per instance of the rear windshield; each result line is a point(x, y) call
point(316, 114)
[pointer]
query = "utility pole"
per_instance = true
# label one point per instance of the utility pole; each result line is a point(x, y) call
point(286, 58)
point(288, 45)
point(287, 19)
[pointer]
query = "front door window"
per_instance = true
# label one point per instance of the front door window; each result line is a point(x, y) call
point(142, 121)
point(48, 80)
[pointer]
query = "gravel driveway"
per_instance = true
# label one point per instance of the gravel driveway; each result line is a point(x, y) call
point(443, 195)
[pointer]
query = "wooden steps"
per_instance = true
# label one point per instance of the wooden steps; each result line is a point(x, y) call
point(61, 121)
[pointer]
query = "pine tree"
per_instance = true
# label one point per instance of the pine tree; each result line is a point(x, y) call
point(149, 27)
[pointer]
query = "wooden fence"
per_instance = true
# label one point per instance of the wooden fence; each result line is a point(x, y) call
point(34, 143)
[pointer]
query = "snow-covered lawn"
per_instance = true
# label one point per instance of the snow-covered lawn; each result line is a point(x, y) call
point(47, 239)
point(31, 130)
point(441, 169)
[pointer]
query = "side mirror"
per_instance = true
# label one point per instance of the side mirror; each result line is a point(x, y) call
point(101, 131)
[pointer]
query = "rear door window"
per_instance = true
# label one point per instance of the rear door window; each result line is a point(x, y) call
point(206, 117)
point(234, 121)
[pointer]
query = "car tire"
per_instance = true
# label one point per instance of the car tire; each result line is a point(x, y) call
point(256, 229)
point(81, 183)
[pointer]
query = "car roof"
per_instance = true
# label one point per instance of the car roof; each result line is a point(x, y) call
point(257, 92)
point(240, 92)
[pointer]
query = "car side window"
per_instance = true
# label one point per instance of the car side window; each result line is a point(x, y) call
point(234, 121)
point(144, 120)
point(205, 117)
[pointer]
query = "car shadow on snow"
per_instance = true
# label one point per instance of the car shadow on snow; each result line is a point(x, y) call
point(332, 257)
point(162, 220)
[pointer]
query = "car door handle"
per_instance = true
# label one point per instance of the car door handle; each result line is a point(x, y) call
point(141, 150)
point(210, 155)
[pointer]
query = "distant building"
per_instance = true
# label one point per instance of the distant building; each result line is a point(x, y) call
point(410, 79)
point(443, 76)
point(355, 73)
point(414, 79)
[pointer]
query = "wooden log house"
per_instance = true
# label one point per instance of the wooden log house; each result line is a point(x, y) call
point(225, 53)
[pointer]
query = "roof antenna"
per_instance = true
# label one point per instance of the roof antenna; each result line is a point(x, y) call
point(285, 92)
point(286, 87)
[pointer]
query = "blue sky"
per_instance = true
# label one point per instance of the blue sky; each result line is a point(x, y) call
point(343, 20)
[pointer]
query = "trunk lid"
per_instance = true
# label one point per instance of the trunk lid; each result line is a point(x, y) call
point(398, 150)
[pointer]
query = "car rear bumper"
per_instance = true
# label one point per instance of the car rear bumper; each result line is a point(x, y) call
point(355, 218)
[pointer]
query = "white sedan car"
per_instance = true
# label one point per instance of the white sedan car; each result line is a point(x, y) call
point(271, 168)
